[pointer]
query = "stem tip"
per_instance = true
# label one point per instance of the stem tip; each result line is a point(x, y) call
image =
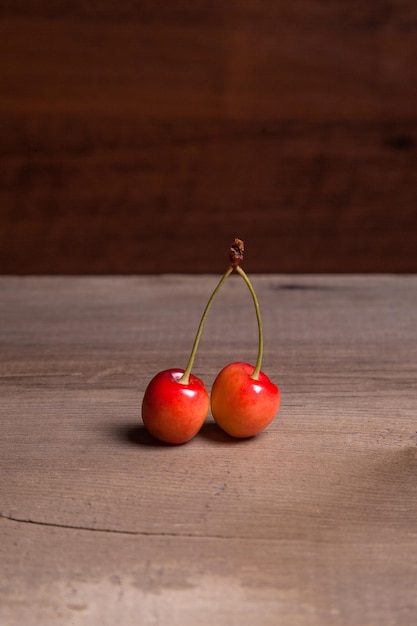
point(236, 252)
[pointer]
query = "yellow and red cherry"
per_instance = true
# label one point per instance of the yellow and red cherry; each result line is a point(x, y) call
point(173, 411)
point(241, 405)
point(244, 401)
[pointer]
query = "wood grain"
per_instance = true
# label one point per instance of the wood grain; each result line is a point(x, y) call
point(142, 138)
point(312, 522)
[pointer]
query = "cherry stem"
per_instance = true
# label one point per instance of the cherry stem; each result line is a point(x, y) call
point(255, 373)
point(184, 380)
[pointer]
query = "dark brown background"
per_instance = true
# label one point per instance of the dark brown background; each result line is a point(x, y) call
point(143, 136)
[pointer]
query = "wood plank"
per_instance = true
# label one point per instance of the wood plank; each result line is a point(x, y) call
point(312, 522)
point(250, 59)
point(126, 129)
point(98, 578)
point(313, 197)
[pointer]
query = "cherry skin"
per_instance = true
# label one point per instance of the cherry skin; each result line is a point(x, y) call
point(172, 411)
point(241, 405)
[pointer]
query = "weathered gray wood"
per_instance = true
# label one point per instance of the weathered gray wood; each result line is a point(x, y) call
point(311, 523)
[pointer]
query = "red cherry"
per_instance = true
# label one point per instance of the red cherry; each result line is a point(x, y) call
point(242, 405)
point(172, 411)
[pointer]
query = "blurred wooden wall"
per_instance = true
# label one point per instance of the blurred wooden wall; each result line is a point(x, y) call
point(144, 136)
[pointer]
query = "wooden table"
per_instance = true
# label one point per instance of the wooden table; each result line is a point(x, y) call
point(312, 523)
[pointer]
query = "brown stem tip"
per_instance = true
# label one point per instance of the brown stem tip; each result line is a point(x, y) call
point(236, 253)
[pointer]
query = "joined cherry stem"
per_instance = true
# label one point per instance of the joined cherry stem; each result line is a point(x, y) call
point(236, 255)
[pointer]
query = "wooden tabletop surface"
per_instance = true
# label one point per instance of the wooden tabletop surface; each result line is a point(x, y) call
point(312, 523)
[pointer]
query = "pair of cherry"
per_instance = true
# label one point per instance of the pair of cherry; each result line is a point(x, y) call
point(243, 399)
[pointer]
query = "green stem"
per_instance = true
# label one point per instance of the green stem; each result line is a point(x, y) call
point(255, 373)
point(186, 376)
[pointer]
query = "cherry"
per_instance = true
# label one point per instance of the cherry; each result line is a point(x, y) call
point(176, 402)
point(241, 405)
point(244, 401)
point(174, 411)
